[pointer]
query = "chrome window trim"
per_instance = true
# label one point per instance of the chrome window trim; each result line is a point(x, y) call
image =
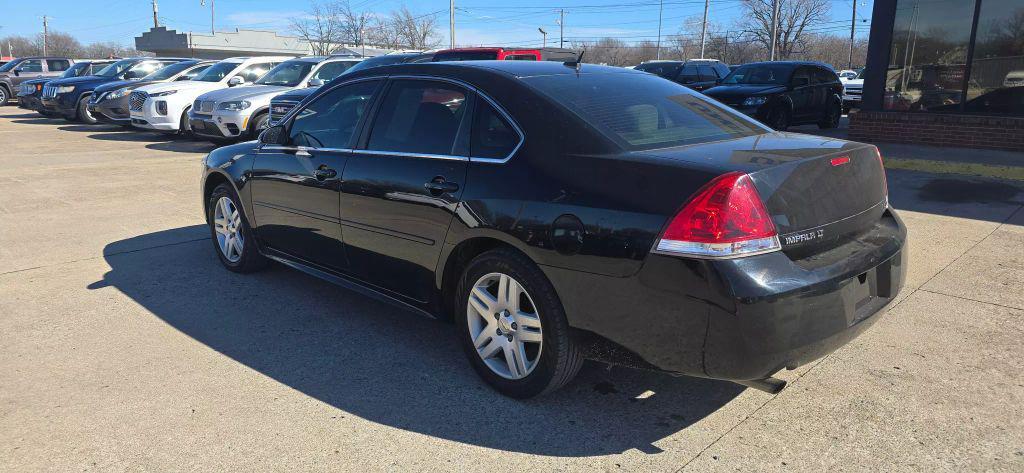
point(400, 154)
point(305, 149)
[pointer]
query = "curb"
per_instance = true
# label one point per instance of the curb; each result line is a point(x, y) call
point(1014, 173)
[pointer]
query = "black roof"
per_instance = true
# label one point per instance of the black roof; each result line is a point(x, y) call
point(792, 63)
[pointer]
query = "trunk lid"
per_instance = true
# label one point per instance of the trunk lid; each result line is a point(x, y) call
point(817, 190)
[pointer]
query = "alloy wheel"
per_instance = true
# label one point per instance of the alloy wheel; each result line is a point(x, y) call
point(227, 222)
point(504, 326)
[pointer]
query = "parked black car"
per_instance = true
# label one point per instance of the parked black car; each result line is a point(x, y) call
point(22, 69)
point(697, 74)
point(109, 102)
point(282, 104)
point(70, 97)
point(30, 92)
point(548, 210)
point(784, 93)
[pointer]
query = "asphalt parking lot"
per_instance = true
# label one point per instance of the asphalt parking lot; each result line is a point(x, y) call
point(124, 345)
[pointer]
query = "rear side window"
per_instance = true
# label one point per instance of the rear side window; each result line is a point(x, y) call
point(330, 121)
point(419, 117)
point(493, 136)
point(824, 76)
point(57, 65)
point(666, 70)
point(521, 57)
point(706, 73)
point(640, 112)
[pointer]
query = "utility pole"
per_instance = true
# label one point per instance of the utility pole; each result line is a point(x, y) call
point(561, 28)
point(661, 5)
point(451, 21)
point(156, 10)
point(544, 34)
point(213, 8)
point(853, 30)
point(775, 29)
point(46, 31)
point(704, 28)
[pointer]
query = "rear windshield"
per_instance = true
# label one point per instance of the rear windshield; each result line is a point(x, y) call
point(641, 111)
point(467, 56)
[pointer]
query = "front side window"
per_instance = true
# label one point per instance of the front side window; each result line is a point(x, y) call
point(492, 135)
point(330, 121)
point(641, 112)
point(57, 65)
point(32, 65)
point(706, 73)
point(928, 54)
point(117, 68)
point(217, 72)
point(419, 116)
point(688, 74)
point(996, 85)
point(287, 74)
point(333, 69)
point(169, 71)
point(801, 77)
point(77, 70)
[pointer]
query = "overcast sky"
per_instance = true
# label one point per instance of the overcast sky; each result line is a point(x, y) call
point(478, 22)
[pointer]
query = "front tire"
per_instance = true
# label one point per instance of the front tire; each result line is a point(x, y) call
point(260, 123)
point(778, 118)
point(4, 96)
point(230, 232)
point(833, 114)
point(184, 127)
point(513, 327)
point(83, 113)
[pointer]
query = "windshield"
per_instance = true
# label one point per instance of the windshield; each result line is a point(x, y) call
point(860, 73)
point(9, 66)
point(169, 71)
point(217, 72)
point(760, 74)
point(116, 68)
point(641, 111)
point(288, 73)
point(75, 70)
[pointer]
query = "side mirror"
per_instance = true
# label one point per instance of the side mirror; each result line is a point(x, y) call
point(274, 135)
point(316, 82)
point(237, 80)
point(17, 71)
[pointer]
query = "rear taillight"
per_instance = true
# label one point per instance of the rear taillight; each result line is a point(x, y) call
point(885, 181)
point(724, 219)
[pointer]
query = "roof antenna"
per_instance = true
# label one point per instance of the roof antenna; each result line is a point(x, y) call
point(578, 63)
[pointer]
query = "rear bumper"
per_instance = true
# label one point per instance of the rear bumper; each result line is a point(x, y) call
point(745, 318)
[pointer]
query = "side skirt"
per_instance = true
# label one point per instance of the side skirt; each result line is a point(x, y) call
point(347, 283)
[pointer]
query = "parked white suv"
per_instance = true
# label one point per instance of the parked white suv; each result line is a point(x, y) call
point(239, 112)
point(164, 107)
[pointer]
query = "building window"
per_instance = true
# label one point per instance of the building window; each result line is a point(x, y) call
point(996, 85)
point(928, 56)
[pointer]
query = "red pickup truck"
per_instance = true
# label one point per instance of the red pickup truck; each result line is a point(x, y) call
point(502, 54)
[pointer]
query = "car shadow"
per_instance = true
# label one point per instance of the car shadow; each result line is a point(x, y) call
point(382, 364)
point(38, 120)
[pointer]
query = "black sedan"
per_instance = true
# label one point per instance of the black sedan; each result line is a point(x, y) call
point(552, 211)
point(784, 93)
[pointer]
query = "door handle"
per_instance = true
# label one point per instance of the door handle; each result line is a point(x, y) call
point(324, 173)
point(439, 186)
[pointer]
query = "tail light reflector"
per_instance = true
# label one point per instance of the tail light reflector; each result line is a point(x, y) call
point(726, 218)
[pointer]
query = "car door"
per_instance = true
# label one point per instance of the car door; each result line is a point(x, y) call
point(401, 189)
point(707, 77)
point(802, 93)
point(296, 187)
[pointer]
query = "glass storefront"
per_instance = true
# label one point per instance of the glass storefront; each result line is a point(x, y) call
point(932, 45)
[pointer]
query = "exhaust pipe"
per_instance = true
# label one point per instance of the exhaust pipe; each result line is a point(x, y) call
point(769, 385)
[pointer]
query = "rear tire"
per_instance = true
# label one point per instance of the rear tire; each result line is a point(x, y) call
point(536, 356)
point(832, 116)
point(233, 238)
point(4, 96)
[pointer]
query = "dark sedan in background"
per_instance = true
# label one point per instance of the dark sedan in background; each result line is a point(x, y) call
point(548, 208)
point(784, 93)
point(31, 91)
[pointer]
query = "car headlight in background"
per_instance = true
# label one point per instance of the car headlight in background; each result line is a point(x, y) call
point(118, 93)
point(65, 89)
point(164, 93)
point(754, 101)
point(234, 105)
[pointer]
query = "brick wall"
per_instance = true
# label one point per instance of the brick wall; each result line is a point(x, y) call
point(935, 129)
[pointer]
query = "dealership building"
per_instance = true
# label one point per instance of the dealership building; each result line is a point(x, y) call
point(944, 72)
point(240, 42)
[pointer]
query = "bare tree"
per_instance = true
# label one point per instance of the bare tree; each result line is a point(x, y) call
point(321, 26)
point(60, 44)
point(416, 32)
point(796, 17)
point(353, 25)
